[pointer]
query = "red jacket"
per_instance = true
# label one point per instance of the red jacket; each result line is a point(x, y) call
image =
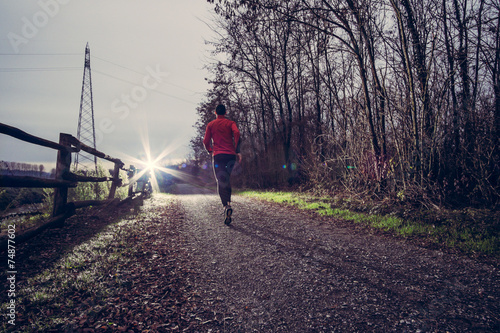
point(225, 136)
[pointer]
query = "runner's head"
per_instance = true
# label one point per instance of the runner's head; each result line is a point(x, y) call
point(220, 110)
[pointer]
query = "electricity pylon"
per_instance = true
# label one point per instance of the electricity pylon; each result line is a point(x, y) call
point(86, 128)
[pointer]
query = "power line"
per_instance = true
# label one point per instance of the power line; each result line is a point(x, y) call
point(38, 69)
point(40, 54)
point(8, 70)
point(135, 83)
point(60, 69)
point(134, 71)
point(113, 63)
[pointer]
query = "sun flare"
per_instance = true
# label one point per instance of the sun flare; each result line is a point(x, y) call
point(148, 165)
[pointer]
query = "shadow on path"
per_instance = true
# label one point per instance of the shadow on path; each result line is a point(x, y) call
point(43, 251)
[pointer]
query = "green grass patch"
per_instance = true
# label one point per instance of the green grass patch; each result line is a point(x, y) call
point(474, 232)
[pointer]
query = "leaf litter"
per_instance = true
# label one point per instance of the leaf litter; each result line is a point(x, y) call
point(109, 274)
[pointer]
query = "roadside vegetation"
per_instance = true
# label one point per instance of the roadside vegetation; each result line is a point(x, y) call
point(473, 231)
point(29, 207)
point(24, 206)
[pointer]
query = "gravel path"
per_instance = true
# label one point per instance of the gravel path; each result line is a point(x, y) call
point(276, 269)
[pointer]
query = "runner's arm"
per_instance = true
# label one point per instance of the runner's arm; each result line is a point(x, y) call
point(207, 139)
point(236, 136)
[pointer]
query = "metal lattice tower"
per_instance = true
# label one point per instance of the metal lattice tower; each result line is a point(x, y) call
point(86, 128)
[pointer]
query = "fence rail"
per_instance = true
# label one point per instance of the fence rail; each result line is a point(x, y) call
point(21, 135)
point(64, 178)
point(26, 181)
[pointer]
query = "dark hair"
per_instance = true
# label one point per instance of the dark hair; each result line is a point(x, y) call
point(220, 110)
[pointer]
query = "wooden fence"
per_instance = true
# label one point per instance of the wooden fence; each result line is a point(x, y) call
point(64, 178)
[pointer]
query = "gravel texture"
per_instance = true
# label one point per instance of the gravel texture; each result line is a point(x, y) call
point(274, 269)
point(277, 269)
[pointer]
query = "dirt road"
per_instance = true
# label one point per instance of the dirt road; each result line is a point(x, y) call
point(279, 270)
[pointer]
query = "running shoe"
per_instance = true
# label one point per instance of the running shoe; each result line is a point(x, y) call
point(228, 211)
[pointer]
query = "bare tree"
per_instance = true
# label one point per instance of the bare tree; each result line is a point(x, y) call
point(406, 90)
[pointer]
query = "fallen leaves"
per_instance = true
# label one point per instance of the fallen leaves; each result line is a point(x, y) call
point(130, 277)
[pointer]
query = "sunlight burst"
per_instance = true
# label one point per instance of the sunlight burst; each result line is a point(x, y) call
point(148, 165)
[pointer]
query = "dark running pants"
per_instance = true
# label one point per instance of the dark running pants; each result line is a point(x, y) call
point(223, 166)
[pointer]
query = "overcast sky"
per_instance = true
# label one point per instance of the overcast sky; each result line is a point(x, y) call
point(147, 61)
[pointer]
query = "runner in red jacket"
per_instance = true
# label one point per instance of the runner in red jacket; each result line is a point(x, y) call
point(222, 139)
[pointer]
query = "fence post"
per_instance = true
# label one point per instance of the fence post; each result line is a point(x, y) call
point(131, 174)
point(62, 167)
point(116, 181)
